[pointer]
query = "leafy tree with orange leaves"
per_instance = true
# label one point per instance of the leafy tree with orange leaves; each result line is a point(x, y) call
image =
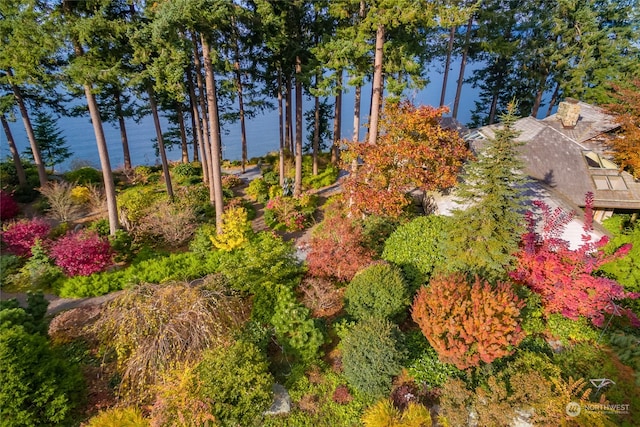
point(626, 146)
point(413, 151)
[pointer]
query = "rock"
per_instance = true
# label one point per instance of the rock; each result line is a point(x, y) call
point(281, 401)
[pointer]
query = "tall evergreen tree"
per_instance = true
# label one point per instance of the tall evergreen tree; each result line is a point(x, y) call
point(93, 30)
point(28, 54)
point(53, 147)
point(488, 231)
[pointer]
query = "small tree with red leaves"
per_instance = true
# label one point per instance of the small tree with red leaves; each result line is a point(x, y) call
point(337, 250)
point(468, 323)
point(82, 254)
point(563, 277)
point(413, 151)
point(18, 237)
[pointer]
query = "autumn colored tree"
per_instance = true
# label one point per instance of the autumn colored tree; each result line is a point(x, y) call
point(563, 277)
point(413, 151)
point(337, 249)
point(468, 323)
point(626, 147)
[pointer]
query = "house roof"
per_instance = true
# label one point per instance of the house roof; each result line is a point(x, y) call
point(573, 161)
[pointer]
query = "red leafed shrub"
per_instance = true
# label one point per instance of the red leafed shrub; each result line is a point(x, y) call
point(19, 237)
point(468, 323)
point(563, 277)
point(336, 251)
point(82, 254)
point(8, 207)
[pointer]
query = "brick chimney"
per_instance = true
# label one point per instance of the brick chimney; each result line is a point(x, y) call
point(569, 113)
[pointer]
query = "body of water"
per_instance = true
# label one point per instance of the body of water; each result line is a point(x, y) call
point(262, 130)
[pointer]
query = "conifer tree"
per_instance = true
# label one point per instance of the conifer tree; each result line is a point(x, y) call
point(53, 147)
point(488, 231)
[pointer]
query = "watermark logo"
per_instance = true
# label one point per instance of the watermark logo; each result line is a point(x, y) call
point(573, 409)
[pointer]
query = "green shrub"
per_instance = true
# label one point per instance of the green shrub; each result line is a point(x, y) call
point(416, 247)
point(423, 364)
point(38, 272)
point(295, 329)
point(136, 201)
point(258, 190)
point(84, 175)
point(237, 381)
point(186, 170)
point(325, 178)
point(625, 270)
point(570, 331)
point(160, 269)
point(627, 348)
point(266, 258)
point(271, 178)
point(100, 226)
point(201, 242)
point(39, 386)
point(377, 291)
point(195, 197)
point(372, 355)
point(9, 264)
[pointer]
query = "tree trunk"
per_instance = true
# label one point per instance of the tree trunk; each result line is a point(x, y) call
point(316, 132)
point(494, 107)
point(105, 163)
point(184, 148)
point(337, 123)
point(22, 177)
point(452, 35)
point(554, 99)
point(538, 100)
point(288, 123)
point(463, 64)
point(195, 117)
point(35, 148)
point(243, 131)
point(206, 132)
point(163, 153)
point(297, 189)
point(123, 132)
point(378, 86)
point(356, 113)
point(214, 122)
point(281, 126)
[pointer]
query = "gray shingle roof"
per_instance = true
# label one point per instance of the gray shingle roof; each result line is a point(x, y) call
point(556, 156)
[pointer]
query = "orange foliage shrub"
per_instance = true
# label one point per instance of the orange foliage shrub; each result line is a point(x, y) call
point(468, 323)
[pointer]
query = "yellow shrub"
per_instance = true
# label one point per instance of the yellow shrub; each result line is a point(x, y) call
point(235, 230)
point(384, 414)
point(80, 195)
point(119, 417)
